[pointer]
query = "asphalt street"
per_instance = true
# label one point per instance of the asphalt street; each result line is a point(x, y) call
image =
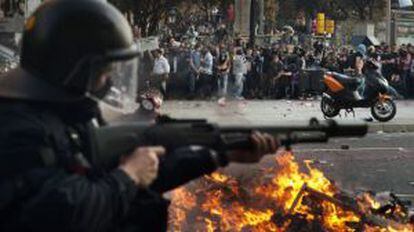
point(279, 112)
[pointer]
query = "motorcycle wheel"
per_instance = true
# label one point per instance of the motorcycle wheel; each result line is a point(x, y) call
point(384, 111)
point(328, 109)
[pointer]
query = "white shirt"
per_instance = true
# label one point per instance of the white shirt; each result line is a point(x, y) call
point(207, 64)
point(175, 44)
point(239, 65)
point(161, 66)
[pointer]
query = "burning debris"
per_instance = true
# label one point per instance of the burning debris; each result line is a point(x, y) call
point(283, 199)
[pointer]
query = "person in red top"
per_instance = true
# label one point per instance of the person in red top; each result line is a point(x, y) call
point(230, 13)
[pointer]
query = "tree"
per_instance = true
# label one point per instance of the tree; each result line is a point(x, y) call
point(341, 9)
point(146, 13)
point(271, 11)
point(344, 9)
point(207, 5)
point(334, 9)
point(367, 9)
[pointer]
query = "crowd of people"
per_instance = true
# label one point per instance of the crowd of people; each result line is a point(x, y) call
point(234, 69)
point(227, 70)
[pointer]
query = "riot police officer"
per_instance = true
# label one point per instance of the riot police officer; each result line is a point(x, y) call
point(48, 108)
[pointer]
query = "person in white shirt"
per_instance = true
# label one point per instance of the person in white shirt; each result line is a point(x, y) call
point(206, 62)
point(174, 47)
point(160, 72)
point(205, 82)
point(192, 34)
point(239, 71)
point(174, 43)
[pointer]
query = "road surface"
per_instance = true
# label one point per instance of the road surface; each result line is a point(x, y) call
point(272, 112)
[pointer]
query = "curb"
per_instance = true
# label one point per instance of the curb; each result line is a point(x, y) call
point(390, 128)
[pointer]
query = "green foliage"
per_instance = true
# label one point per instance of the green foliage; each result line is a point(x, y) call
point(367, 9)
point(340, 9)
point(146, 13)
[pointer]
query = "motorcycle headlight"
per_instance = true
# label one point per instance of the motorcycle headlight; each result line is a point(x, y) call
point(147, 104)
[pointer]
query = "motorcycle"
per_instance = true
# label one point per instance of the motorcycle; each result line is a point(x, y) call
point(150, 101)
point(342, 94)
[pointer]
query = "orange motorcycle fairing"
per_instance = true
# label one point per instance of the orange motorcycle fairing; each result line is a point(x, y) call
point(334, 85)
point(383, 97)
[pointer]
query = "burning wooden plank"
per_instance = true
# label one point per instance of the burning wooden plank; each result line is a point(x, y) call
point(366, 218)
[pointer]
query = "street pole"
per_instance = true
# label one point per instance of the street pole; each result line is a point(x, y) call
point(253, 22)
point(262, 17)
point(388, 21)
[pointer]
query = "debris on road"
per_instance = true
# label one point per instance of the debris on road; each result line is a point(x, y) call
point(222, 102)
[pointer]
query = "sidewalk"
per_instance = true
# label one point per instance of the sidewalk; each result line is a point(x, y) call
point(281, 112)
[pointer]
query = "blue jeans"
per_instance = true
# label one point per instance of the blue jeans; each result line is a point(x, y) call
point(238, 85)
point(222, 83)
point(361, 88)
point(192, 82)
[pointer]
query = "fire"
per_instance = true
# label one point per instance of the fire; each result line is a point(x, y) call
point(209, 225)
point(366, 203)
point(218, 177)
point(182, 202)
point(288, 181)
point(268, 204)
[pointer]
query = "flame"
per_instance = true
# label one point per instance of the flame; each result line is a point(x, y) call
point(289, 180)
point(209, 225)
point(401, 229)
point(366, 203)
point(182, 202)
point(218, 177)
point(265, 204)
point(288, 183)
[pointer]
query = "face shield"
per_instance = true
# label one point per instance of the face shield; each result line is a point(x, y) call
point(118, 89)
point(110, 80)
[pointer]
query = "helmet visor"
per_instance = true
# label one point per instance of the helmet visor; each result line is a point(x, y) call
point(118, 87)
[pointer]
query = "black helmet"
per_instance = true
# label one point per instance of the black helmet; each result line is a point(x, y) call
point(66, 45)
